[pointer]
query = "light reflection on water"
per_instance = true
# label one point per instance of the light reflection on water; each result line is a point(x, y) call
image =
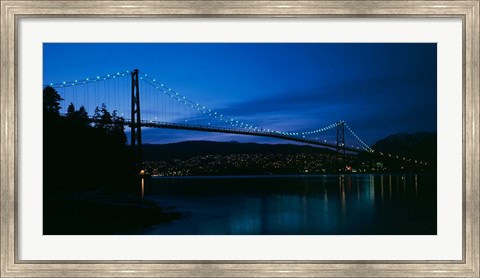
point(328, 204)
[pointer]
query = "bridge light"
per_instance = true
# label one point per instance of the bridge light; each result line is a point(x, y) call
point(51, 84)
point(98, 77)
point(153, 80)
point(108, 75)
point(118, 73)
point(63, 82)
point(161, 85)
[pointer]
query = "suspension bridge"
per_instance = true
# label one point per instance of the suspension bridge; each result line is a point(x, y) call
point(163, 107)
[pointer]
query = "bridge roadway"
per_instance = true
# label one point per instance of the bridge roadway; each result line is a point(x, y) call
point(270, 134)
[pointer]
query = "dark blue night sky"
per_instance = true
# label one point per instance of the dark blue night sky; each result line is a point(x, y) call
point(378, 89)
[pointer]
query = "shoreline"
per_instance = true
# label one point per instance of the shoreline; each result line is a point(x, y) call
point(102, 212)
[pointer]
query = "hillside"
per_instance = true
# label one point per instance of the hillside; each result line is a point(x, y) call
point(188, 149)
point(420, 145)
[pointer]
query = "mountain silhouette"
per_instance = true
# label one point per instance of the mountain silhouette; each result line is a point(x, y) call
point(188, 149)
point(420, 145)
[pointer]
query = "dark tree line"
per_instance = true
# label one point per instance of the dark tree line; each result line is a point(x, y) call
point(81, 154)
point(89, 185)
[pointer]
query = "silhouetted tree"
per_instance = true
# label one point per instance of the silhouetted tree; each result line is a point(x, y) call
point(51, 101)
point(77, 117)
point(70, 110)
point(119, 128)
point(111, 124)
point(103, 118)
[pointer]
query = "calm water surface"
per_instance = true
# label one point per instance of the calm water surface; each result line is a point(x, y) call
point(297, 205)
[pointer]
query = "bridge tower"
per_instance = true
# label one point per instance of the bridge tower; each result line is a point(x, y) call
point(136, 128)
point(341, 137)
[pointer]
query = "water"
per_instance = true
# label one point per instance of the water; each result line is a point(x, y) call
point(297, 205)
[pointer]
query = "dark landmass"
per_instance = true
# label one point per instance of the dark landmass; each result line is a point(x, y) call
point(90, 184)
point(105, 211)
point(395, 154)
point(189, 149)
point(420, 145)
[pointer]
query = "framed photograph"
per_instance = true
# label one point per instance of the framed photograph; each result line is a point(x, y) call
point(239, 139)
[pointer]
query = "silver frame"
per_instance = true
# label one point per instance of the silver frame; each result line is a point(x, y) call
point(12, 11)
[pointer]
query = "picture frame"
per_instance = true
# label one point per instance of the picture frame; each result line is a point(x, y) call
point(13, 11)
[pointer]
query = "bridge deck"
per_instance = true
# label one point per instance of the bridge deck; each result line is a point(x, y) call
point(238, 131)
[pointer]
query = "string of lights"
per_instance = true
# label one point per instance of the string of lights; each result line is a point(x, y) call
point(320, 129)
point(200, 108)
point(366, 147)
point(88, 80)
